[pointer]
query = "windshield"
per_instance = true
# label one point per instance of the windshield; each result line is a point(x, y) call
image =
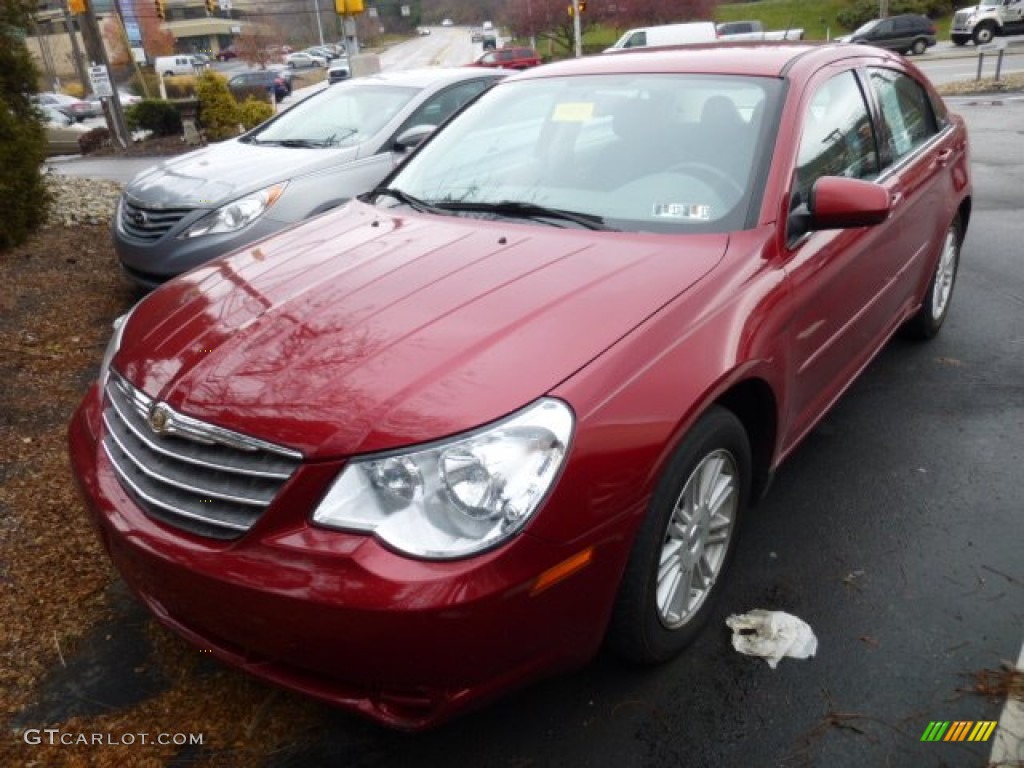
point(641, 153)
point(344, 115)
point(866, 27)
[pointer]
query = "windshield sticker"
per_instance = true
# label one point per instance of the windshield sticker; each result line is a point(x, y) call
point(573, 112)
point(681, 211)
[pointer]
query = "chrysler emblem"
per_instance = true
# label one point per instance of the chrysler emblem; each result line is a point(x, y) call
point(140, 218)
point(159, 418)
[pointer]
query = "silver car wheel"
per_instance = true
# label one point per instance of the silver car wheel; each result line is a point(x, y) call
point(697, 538)
point(945, 273)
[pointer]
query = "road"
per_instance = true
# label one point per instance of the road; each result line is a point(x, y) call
point(953, 64)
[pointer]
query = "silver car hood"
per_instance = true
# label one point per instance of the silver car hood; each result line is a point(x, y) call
point(215, 175)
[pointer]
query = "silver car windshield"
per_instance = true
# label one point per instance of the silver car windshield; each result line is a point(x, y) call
point(343, 115)
point(645, 153)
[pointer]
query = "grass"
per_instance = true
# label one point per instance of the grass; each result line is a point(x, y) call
point(816, 17)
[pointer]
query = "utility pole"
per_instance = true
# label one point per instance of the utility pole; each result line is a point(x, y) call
point(76, 52)
point(577, 32)
point(319, 26)
point(98, 57)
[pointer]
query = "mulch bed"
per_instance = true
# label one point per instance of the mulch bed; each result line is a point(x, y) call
point(78, 653)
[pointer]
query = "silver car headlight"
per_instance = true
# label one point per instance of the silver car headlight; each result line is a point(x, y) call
point(238, 213)
point(458, 497)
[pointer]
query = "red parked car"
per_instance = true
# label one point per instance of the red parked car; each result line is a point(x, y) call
point(509, 58)
point(515, 402)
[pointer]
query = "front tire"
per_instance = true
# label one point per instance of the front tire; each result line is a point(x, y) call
point(929, 318)
point(983, 34)
point(685, 543)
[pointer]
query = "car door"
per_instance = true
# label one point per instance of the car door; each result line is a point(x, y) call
point(834, 276)
point(882, 34)
point(917, 153)
point(1013, 12)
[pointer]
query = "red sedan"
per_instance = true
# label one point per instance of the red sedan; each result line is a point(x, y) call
point(515, 402)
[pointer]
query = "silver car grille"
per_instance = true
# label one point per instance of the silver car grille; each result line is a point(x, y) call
point(960, 18)
point(195, 476)
point(149, 223)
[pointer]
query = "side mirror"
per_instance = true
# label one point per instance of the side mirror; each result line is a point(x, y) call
point(413, 137)
point(837, 202)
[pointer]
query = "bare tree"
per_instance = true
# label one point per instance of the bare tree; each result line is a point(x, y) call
point(156, 40)
point(253, 45)
point(116, 43)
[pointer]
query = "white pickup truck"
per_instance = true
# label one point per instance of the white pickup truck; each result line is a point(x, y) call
point(753, 30)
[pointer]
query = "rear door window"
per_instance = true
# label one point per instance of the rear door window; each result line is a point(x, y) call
point(906, 112)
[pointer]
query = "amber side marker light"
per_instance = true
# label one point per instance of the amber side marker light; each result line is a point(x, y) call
point(563, 570)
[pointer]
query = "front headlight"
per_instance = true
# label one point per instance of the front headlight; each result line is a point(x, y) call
point(112, 346)
point(238, 213)
point(458, 497)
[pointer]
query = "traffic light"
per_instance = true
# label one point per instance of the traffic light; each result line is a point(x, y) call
point(161, 11)
point(211, 7)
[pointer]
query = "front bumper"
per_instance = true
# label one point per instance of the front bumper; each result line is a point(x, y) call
point(339, 617)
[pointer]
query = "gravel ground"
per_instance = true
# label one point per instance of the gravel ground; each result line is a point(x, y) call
point(79, 201)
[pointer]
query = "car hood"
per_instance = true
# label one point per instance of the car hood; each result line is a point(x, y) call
point(212, 176)
point(362, 331)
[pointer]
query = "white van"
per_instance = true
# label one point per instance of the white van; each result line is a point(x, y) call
point(180, 64)
point(666, 34)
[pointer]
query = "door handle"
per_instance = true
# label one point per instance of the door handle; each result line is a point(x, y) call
point(943, 157)
point(895, 198)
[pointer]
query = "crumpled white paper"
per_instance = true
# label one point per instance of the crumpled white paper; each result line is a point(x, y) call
point(772, 635)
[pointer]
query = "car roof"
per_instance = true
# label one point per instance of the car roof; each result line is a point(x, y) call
point(424, 77)
point(732, 58)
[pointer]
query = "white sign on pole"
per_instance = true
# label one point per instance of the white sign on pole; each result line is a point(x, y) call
point(405, 10)
point(99, 79)
point(224, 5)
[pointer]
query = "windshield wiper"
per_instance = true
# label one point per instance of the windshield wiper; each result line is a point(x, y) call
point(404, 197)
point(517, 208)
point(300, 143)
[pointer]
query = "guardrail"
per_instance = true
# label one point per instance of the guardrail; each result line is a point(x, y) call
point(997, 46)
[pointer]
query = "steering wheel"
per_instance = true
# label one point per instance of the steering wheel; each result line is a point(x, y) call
point(718, 179)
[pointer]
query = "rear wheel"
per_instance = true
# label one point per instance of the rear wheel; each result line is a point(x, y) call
point(685, 543)
point(930, 317)
point(920, 46)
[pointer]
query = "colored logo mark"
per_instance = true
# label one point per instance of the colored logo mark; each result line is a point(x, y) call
point(959, 730)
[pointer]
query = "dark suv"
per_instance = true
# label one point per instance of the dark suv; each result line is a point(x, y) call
point(258, 83)
point(908, 33)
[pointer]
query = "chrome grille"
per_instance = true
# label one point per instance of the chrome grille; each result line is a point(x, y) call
point(195, 476)
point(960, 18)
point(149, 223)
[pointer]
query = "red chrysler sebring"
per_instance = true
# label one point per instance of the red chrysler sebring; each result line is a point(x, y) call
point(513, 403)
